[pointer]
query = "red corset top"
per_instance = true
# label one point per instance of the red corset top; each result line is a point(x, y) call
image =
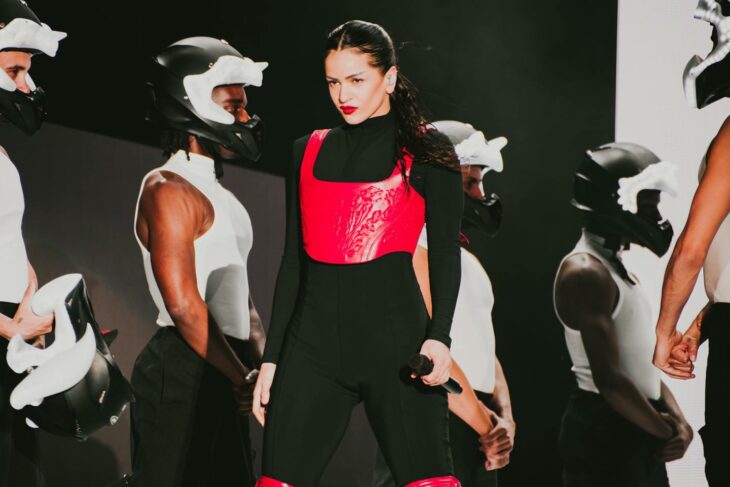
point(352, 222)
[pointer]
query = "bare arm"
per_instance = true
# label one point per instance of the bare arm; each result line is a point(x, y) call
point(585, 295)
point(676, 447)
point(710, 206)
point(466, 405)
point(498, 444)
point(170, 218)
point(501, 401)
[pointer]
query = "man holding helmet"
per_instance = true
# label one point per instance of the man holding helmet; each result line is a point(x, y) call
point(23, 104)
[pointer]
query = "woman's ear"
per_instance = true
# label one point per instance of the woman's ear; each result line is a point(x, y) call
point(391, 78)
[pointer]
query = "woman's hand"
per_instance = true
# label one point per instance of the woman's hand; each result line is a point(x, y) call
point(441, 358)
point(262, 391)
point(663, 352)
point(693, 334)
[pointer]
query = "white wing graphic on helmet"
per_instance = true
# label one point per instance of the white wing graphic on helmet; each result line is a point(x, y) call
point(65, 362)
point(661, 176)
point(227, 70)
point(476, 151)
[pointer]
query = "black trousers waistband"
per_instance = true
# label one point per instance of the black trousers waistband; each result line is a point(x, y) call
point(716, 323)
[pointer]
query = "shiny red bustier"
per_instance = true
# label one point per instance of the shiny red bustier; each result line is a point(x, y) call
point(351, 223)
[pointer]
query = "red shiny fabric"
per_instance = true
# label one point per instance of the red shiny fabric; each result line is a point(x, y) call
point(269, 482)
point(352, 223)
point(436, 482)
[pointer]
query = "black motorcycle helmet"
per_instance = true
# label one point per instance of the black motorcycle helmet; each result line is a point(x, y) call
point(473, 149)
point(597, 188)
point(100, 396)
point(182, 77)
point(21, 30)
point(708, 80)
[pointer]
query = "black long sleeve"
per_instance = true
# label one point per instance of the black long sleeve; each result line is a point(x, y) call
point(444, 206)
point(287, 281)
point(365, 153)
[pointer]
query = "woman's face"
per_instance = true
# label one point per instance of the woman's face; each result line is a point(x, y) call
point(358, 90)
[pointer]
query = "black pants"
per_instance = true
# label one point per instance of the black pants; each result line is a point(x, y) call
point(468, 459)
point(186, 431)
point(716, 431)
point(601, 448)
point(18, 449)
point(354, 330)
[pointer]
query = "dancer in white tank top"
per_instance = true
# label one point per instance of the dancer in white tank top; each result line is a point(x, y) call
point(194, 379)
point(622, 423)
point(481, 415)
point(23, 104)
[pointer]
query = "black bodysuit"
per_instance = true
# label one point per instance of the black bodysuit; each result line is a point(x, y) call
point(341, 334)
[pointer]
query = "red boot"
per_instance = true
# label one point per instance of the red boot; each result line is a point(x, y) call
point(436, 482)
point(269, 482)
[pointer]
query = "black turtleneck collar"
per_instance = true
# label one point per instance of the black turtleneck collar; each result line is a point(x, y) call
point(372, 125)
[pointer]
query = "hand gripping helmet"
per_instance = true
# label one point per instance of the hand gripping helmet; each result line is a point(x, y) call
point(707, 80)
point(73, 387)
point(183, 77)
point(20, 30)
point(473, 149)
point(606, 187)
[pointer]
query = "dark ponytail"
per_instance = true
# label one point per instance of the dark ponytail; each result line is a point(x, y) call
point(412, 128)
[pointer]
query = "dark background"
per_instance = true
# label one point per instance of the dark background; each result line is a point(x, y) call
point(540, 73)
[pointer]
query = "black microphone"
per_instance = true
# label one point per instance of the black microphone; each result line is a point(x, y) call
point(422, 365)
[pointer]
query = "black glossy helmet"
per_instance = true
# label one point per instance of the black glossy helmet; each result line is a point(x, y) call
point(183, 77)
point(74, 386)
point(708, 80)
point(606, 187)
point(473, 149)
point(20, 30)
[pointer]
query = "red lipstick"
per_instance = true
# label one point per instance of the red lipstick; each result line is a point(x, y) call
point(347, 110)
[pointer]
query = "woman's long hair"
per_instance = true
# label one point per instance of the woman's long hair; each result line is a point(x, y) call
point(412, 128)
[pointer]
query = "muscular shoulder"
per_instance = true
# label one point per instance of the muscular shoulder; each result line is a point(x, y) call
point(582, 270)
point(161, 186)
point(166, 193)
point(584, 286)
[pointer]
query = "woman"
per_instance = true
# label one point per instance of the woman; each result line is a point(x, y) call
point(348, 312)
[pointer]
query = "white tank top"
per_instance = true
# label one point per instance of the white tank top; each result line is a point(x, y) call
point(472, 330)
point(220, 254)
point(634, 324)
point(13, 259)
point(717, 261)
